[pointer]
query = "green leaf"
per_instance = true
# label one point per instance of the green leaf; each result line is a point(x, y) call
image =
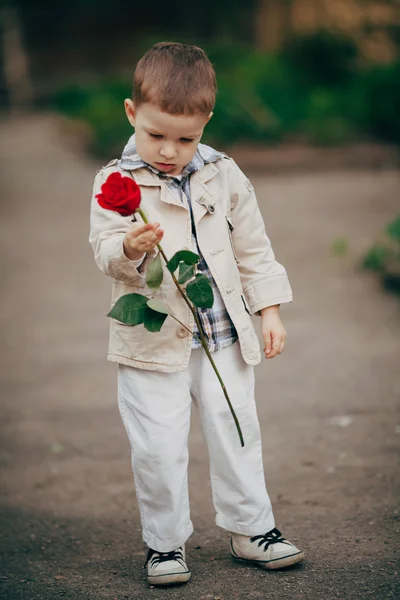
point(154, 273)
point(153, 320)
point(129, 309)
point(186, 272)
point(186, 256)
point(200, 292)
point(158, 306)
point(340, 246)
point(393, 229)
point(377, 257)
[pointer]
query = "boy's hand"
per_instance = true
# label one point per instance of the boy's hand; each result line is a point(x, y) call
point(141, 238)
point(273, 331)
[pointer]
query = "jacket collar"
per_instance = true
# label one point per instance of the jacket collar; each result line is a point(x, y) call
point(201, 164)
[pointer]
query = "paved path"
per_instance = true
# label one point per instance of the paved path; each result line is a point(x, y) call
point(328, 407)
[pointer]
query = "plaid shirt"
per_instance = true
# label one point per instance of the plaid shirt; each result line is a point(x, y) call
point(216, 324)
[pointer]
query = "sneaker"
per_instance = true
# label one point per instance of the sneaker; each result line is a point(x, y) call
point(167, 568)
point(270, 551)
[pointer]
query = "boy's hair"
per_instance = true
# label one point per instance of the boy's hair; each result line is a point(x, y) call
point(177, 77)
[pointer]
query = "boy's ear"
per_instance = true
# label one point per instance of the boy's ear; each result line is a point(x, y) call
point(130, 111)
point(209, 116)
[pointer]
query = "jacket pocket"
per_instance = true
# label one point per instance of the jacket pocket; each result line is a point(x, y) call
point(231, 227)
point(246, 306)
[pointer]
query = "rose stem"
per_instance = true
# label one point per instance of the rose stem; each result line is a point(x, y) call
point(202, 338)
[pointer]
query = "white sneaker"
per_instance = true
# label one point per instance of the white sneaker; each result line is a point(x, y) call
point(167, 568)
point(270, 551)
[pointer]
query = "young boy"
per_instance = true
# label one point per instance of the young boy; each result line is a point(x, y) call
point(195, 198)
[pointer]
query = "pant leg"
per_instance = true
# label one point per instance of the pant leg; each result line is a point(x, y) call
point(240, 497)
point(155, 409)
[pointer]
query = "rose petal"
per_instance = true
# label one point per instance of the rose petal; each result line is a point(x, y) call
point(121, 194)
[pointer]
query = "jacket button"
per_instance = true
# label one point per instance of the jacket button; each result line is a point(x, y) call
point(182, 332)
point(211, 208)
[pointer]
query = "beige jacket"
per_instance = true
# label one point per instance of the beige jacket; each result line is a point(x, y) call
point(232, 238)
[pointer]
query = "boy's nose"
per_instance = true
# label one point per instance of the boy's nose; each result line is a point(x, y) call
point(168, 152)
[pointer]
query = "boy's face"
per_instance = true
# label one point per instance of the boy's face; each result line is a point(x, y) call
point(167, 142)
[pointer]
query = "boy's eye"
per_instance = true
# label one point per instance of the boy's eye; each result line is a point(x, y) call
point(156, 136)
point(186, 140)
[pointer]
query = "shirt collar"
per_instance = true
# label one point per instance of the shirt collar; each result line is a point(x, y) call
point(130, 159)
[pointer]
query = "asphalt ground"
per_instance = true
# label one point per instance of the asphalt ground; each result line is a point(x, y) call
point(328, 406)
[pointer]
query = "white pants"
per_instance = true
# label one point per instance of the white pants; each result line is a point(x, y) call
point(155, 409)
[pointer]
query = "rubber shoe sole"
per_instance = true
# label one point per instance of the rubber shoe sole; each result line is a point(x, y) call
point(276, 563)
point(169, 578)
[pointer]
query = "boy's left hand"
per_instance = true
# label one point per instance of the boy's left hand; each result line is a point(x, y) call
point(273, 331)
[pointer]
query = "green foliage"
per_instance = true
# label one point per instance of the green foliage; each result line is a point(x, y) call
point(134, 309)
point(325, 122)
point(186, 272)
point(393, 230)
point(259, 99)
point(322, 58)
point(199, 291)
point(153, 319)
point(158, 305)
point(315, 90)
point(384, 258)
point(377, 257)
point(185, 256)
point(154, 273)
point(340, 246)
point(101, 106)
point(129, 309)
point(373, 102)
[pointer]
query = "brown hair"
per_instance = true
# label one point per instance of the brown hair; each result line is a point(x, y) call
point(179, 78)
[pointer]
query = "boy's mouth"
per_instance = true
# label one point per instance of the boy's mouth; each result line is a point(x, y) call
point(164, 166)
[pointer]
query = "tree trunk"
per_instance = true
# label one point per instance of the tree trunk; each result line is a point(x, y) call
point(273, 23)
point(16, 71)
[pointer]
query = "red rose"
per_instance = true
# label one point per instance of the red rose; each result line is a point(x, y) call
point(121, 194)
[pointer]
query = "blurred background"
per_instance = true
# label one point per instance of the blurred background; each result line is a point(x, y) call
point(309, 106)
point(311, 70)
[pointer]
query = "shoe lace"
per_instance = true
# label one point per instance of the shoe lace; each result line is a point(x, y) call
point(271, 537)
point(163, 556)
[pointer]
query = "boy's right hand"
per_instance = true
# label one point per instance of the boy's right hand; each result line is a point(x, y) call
point(141, 238)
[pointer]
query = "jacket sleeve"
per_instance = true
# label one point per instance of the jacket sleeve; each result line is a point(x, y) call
point(107, 232)
point(264, 280)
